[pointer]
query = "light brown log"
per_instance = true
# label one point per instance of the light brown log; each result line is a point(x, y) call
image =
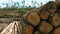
point(45, 27)
point(27, 29)
point(32, 18)
point(44, 14)
point(55, 19)
point(37, 32)
point(57, 31)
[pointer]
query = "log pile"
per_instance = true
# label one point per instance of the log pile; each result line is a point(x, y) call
point(13, 28)
point(43, 20)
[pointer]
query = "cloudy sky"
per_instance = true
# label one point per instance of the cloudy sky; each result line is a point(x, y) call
point(28, 2)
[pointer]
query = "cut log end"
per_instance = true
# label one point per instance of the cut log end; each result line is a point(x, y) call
point(57, 2)
point(37, 32)
point(55, 20)
point(32, 18)
point(54, 7)
point(27, 29)
point(50, 6)
point(45, 27)
point(57, 31)
point(44, 14)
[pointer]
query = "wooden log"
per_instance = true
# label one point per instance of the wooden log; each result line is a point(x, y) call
point(45, 27)
point(57, 2)
point(57, 31)
point(27, 29)
point(9, 14)
point(32, 18)
point(44, 14)
point(55, 19)
point(37, 32)
point(50, 6)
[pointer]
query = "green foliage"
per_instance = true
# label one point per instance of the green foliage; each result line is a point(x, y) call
point(16, 6)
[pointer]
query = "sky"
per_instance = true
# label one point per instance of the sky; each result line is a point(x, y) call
point(28, 2)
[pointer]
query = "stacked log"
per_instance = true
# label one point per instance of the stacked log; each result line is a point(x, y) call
point(37, 32)
point(55, 19)
point(44, 14)
point(57, 31)
point(32, 18)
point(27, 29)
point(45, 27)
point(13, 28)
point(44, 20)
